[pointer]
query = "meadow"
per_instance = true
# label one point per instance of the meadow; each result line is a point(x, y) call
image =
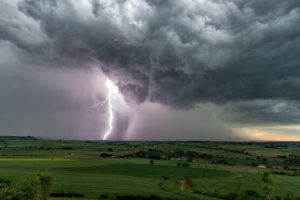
point(87, 170)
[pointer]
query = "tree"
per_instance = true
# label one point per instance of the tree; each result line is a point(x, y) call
point(267, 179)
point(110, 149)
point(192, 154)
point(37, 188)
point(189, 183)
point(185, 164)
point(105, 155)
point(46, 183)
point(178, 152)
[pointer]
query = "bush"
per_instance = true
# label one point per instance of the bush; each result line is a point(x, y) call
point(178, 153)
point(206, 156)
point(103, 196)
point(105, 155)
point(192, 154)
point(251, 193)
point(154, 155)
point(37, 188)
point(231, 196)
point(66, 148)
point(185, 164)
point(110, 149)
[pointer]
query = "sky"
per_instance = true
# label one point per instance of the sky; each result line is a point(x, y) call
point(181, 69)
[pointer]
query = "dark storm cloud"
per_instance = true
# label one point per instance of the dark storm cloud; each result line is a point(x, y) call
point(177, 53)
point(262, 112)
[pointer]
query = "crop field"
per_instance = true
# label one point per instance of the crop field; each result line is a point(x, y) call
point(153, 170)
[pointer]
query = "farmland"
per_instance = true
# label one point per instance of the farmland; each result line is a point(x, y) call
point(155, 170)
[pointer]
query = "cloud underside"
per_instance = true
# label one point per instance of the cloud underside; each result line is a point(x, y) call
point(178, 53)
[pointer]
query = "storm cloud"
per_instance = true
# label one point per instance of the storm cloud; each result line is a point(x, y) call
point(177, 53)
point(240, 55)
point(262, 112)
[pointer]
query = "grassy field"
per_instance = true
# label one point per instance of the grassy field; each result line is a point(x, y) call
point(79, 168)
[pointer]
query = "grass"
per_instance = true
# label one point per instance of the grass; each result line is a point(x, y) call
point(148, 171)
point(80, 169)
point(138, 177)
point(107, 175)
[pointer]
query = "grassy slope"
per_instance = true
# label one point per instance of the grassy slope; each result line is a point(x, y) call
point(138, 177)
point(94, 177)
point(86, 173)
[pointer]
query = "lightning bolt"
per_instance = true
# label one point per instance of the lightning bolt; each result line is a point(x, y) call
point(110, 86)
point(113, 95)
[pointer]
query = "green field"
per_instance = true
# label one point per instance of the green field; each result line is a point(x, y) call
point(78, 168)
